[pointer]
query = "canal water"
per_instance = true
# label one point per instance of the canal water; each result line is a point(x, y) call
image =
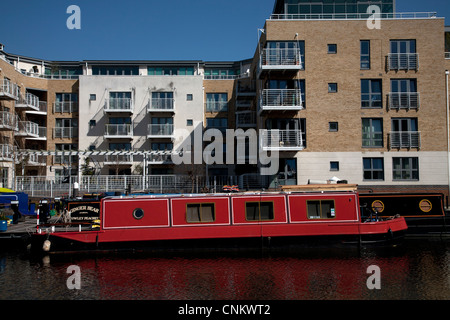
point(418, 269)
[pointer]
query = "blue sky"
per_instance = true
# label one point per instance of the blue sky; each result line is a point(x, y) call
point(209, 30)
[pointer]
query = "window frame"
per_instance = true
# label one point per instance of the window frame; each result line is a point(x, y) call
point(371, 170)
point(259, 211)
point(309, 217)
point(411, 170)
point(370, 94)
point(365, 57)
point(372, 134)
point(201, 204)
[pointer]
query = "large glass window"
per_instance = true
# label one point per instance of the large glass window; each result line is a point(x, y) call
point(371, 95)
point(216, 102)
point(372, 133)
point(373, 168)
point(405, 168)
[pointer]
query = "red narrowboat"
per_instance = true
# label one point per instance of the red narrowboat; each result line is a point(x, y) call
point(222, 221)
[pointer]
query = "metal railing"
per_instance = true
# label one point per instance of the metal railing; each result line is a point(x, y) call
point(118, 159)
point(28, 128)
point(161, 104)
point(65, 106)
point(6, 152)
point(119, 105)
point(403, 61)
point(9, 89)
point(353, 16)
point(160, 129)
point(281, 99)
point(281, 57)
point(65, 132)
point(216, 106)
point(29, 101)
point(404, 139)
point(113, 130)
point(41, 186)
point(404, 100)
point(8, 120)
point(281, 140)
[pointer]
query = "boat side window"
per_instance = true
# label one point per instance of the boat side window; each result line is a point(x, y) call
point(259, 211)
point(320, 209)
point(138, 213)
point(200, 212)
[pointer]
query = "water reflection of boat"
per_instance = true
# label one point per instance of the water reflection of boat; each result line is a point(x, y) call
point(222, 221)
point(423, 212)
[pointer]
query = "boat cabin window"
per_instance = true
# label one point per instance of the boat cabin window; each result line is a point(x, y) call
point(138, 213)
point(259, 211)
point(320, 209)
point(200, 212)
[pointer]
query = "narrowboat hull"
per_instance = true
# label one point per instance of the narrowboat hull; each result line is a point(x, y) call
point(424, 213)
point(228, 222)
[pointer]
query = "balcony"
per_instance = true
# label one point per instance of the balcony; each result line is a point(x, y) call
point(8, 121)
point(42, 109)
point(29, 102)
point(118, 131)
point(404, 139)
point(161, 105)
point(65, 106)
point(65, 132)
point(161, 157)
point(404, 100)
point(160, 131)
point(6, 152)
point(42, 134)
point(28, 129)
point(36, 160)
point(403, 61)
point(117, 105)
point(8, 90)
point(118, 159)
point(245, 119)
point(216, 106)
point(281, 140)
point(281, 100)
point(280, 59)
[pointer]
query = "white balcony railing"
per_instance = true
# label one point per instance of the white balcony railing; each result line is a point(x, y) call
point(161, 104)
point(160, 130)
point(118, 131)
point(65, 106)
point(403, 61)
point(245, 119)
point(65, 132)
point(404, 100)
point(281, 99)
point(282, 140)
point(30, 101)
point(28, 129)
point(9, 90)
point(404, 139)
point(6, 152)
point(119, 105)
point(8, 121)
point(281, 58)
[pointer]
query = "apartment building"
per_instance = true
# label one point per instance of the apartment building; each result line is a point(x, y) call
point(331, 93)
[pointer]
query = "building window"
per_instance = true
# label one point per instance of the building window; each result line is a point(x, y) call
point(372, 133)
point(200, 212)
point(403, 55)
point(334, 165)
point(332, 48)
point(333, 126)
point(405, 168)
point(404, 94)
point(189, 97)
point(365, 54)
point(217, 123)
point(217, 102)
point(259, 211)
point(373, 168)
point(92, 97)
point(371, 96)
point(320, 209)
point(189, 122)
point(332, 87)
